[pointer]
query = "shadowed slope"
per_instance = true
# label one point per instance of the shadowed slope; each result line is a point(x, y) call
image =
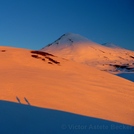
point(129, 76)
point(22, 119)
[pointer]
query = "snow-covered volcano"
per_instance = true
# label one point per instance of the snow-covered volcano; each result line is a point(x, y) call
point(106, 57)
point(70, 44)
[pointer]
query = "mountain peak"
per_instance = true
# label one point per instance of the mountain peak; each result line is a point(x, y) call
point(69, 39)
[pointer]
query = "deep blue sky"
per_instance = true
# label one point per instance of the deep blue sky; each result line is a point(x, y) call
point(35, 23)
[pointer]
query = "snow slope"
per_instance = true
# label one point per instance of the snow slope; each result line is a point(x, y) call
point(129, 76)
point(106, 57)
point(24, 119)
point(44, 80)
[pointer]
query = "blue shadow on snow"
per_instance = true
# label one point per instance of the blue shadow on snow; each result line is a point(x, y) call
point(24, 119)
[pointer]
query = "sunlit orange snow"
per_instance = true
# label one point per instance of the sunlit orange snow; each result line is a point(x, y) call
point(68, 86)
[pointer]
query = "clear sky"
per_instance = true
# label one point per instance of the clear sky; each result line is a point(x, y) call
point(33, 24)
